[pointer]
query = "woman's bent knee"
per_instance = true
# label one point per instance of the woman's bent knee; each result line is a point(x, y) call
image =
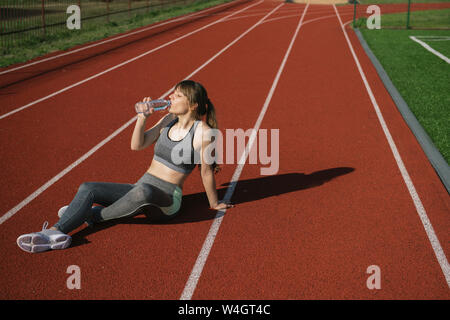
point(86, 186)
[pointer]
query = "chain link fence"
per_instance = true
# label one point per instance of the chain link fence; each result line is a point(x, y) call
point(22, 20)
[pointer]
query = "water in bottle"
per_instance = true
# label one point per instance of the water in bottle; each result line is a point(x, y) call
point(159, 104)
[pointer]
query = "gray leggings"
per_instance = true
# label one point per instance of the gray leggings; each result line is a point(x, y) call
point(119, 200)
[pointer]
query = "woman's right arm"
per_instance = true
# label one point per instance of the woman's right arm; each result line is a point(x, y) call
point(142, 139)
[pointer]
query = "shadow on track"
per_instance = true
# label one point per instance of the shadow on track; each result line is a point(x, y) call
point(194, 206)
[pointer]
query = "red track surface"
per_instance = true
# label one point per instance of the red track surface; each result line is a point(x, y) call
point(337, 205)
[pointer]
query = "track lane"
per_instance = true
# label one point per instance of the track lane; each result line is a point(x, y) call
point(241, 159)
point(59, 60)
point(338, 204)
point(156, 259)
point(76, 127)
point(133, 259)
point(430, 190)
point(28, 65)
point(69, 70)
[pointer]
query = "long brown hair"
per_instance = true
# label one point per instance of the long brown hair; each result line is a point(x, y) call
point(196, 94)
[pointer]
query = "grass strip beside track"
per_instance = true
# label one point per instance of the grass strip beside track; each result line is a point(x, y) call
point(420, 77)
point(91, 32)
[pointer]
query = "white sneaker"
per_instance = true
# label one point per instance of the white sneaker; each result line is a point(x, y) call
point(44, 240)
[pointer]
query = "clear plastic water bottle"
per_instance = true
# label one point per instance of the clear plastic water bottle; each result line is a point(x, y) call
point(158, 104)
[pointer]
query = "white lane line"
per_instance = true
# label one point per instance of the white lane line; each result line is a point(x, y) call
point(438, 251)
point(209, 241)
point(112, 39)
point(235, 40)
point(306, 22)
point(426, 46)
point(49, 183)
point(433, 38)
point(123, 63)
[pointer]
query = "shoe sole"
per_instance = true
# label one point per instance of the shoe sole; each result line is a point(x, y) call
point(34, 243)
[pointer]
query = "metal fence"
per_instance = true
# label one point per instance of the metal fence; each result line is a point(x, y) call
point(21, 20)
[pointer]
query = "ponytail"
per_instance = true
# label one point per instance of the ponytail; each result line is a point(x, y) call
point(212, 122)
point(211, 114)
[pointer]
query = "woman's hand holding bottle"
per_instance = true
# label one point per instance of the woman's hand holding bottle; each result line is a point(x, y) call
point(147, 106)
point(142, 108)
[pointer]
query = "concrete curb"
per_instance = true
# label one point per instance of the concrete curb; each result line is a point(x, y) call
point(435, 157)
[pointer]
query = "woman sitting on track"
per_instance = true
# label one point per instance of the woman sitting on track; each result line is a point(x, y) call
point(160, 187)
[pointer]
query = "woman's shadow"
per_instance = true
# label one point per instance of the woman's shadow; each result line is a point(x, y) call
point(194, 206)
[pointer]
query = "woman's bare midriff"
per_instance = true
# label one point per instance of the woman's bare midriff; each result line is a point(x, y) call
point(163, 172)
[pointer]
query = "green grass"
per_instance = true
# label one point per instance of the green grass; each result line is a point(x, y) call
point(64, 39)
point(443, 46)
point(421, 77)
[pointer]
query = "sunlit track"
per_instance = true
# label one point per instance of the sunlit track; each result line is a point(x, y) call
point(40, 185)
point(115, 38)
point(3, 116)
point(156, 25)
point(434, 241)
point(305, 22)
point(49, 183)
point(44, 195)
point(246, 232)
point(336, 205)
point(281, 17)
point(159, 24)
point(209, 241)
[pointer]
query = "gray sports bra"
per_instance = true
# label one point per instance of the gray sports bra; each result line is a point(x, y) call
point(177, 155)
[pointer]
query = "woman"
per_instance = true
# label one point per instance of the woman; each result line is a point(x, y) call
point(160, 188)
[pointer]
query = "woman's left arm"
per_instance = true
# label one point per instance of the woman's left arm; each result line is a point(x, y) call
point(209, 182)
point(207, 173)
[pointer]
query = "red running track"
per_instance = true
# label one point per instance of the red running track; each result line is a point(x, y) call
point(337, 205)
